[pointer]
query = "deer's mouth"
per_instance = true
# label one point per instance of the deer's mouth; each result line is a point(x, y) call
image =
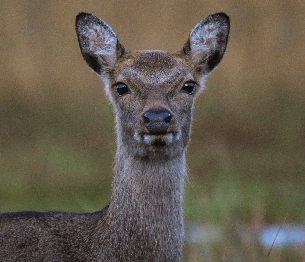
point(158, 140)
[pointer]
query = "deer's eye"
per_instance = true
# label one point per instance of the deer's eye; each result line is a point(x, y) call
point(188, 87)
point(121, 88)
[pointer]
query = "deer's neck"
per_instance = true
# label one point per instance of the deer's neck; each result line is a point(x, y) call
point(146, 206)
point(147, 185)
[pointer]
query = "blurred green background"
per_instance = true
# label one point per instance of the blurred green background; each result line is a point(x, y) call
point(246, 157)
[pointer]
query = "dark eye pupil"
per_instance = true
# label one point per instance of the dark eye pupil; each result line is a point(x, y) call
point(122, 89)
point(188, 87)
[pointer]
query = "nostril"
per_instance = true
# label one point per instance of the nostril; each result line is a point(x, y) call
point(146, 118)
point(168, 118)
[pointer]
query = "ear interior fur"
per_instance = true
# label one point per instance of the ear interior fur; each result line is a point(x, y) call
point(98, 42)
point(208, 41)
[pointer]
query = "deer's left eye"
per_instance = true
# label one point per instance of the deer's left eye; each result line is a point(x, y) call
point(121, 89)
point(188, 87)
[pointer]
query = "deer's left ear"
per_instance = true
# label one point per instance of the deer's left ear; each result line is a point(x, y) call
point(208, 41)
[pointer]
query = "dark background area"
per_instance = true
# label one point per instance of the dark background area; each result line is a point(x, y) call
point(246, 157)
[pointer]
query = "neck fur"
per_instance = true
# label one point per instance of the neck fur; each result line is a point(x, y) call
point(146, 206)
point(148, 182)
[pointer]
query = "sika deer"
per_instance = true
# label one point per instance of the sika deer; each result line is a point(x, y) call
point(153, 95)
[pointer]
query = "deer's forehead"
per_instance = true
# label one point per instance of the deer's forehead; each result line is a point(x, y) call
point(154, 67)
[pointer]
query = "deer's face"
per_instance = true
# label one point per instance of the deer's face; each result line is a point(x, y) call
point(153, 93)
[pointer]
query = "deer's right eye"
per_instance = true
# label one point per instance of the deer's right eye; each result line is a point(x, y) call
point(122, 89)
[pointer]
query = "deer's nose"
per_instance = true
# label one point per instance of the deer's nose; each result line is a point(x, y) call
point(157, 121)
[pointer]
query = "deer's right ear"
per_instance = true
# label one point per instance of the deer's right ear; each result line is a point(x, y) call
point(98, 42)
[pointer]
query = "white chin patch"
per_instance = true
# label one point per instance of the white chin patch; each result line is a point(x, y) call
point(165, 139)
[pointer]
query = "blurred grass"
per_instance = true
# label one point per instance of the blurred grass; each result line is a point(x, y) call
point(52, 157)
point(246, 157)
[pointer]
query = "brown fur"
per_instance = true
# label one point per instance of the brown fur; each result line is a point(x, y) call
point(153, 108)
